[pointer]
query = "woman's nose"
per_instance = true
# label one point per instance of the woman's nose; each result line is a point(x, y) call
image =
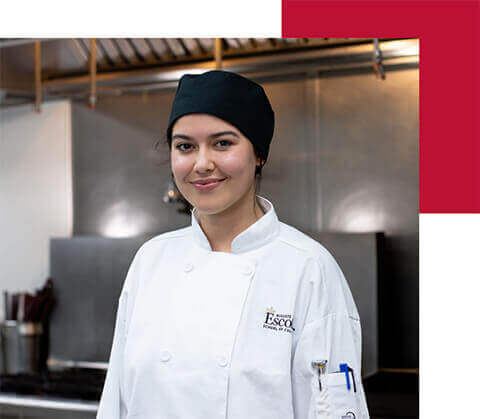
point(203, 161)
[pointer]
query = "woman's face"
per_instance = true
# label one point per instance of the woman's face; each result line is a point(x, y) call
point(206, 147)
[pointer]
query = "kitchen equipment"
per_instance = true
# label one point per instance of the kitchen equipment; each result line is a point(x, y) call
point(21, 346)
point(10, 345)
point(24, 335)
point(72, 383)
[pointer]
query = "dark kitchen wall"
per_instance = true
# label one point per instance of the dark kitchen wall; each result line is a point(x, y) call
point(344, 158)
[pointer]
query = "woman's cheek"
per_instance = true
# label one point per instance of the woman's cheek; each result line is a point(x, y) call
point(180, 167)
point(233, 164)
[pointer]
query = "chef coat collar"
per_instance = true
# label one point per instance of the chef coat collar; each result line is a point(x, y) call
point(262, 231)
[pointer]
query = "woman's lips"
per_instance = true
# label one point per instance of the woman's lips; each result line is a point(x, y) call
point(208, 186)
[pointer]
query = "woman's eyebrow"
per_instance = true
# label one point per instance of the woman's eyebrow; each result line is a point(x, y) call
point(219, 134)
point(181, 136)
point(216, 135)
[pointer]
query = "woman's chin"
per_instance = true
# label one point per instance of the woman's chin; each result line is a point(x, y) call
point(208, 209)
point(209, 205)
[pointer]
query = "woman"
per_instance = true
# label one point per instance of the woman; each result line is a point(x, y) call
point(238, 315)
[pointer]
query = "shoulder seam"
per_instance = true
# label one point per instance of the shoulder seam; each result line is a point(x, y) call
point(307, 251)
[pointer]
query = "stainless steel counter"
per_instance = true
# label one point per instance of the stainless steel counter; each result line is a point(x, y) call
point(14, 406)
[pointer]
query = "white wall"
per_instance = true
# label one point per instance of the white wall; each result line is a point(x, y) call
point(35, 192)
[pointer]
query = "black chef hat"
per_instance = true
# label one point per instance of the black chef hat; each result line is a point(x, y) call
point(231, 97)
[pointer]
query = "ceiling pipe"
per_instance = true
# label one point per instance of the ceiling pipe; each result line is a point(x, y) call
point(218, 53)
point(38, 76)
point(360, 52)
point(18, 42)
point(377, 60)
point(93, 73)
point(399, 54)
point(399, 63)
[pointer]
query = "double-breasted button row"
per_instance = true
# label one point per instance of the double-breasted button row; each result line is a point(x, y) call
point(247, 269)
point(165, 356)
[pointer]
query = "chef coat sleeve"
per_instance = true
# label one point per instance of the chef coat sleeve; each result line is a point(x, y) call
point(331, 332)
point(112, 403)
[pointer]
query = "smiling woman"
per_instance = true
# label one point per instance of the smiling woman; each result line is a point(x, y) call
point(215, 171)
point(228, 148)
point(233, 315)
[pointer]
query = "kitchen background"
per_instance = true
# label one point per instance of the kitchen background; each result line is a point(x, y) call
point(344, 157)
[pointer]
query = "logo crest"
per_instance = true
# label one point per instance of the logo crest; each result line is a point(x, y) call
point(277, 321)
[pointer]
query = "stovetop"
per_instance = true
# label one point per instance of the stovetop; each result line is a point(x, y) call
point(74, 383)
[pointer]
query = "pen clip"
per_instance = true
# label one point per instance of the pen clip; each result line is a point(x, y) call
point(321, 367)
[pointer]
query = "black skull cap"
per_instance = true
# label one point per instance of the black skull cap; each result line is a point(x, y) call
point(228, 96)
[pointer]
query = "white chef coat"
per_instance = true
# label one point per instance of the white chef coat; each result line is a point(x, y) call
point(202, 334)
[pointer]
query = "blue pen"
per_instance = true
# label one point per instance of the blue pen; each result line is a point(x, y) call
point(346, 369)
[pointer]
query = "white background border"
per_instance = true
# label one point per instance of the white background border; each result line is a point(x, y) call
point(449, 314)
point(142, 19)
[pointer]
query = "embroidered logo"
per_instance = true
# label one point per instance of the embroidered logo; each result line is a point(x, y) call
point(349, 415)
point(277, 321)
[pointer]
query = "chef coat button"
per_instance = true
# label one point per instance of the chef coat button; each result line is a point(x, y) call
point(188, 267)
point(248, 270)
point(222, 361)
point(165, 356)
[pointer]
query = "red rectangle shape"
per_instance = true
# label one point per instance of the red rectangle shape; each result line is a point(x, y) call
point(449, 34)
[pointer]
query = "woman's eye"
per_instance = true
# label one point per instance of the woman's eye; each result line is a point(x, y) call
point(179, 146)
point(186, 146)
point(225, 143)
